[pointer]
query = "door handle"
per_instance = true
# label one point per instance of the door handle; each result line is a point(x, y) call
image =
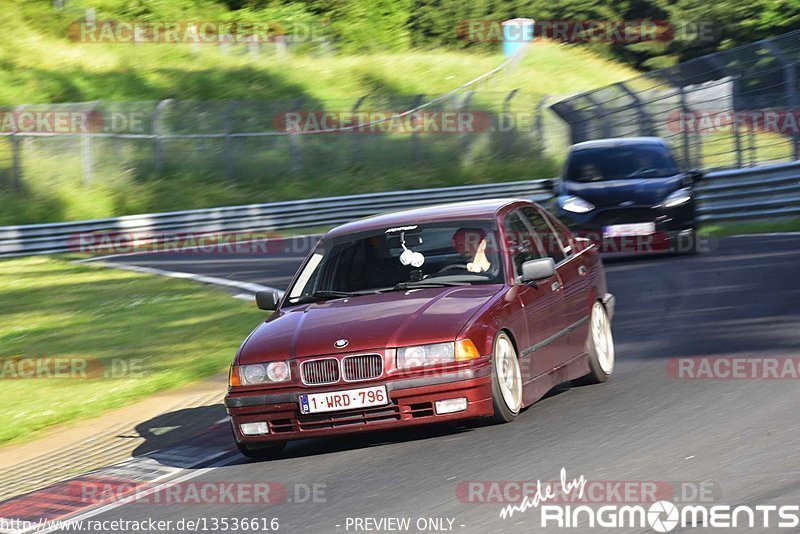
point(582, 270)
point(555, 286)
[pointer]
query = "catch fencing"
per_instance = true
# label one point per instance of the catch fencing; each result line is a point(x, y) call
point(730, 109)
point(254, 141)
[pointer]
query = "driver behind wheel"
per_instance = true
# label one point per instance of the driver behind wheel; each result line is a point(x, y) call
point(471, 244)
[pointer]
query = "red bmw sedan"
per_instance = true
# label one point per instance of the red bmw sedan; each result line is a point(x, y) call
point(459, 311)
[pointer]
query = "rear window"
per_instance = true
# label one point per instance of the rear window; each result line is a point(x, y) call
point(620, 163)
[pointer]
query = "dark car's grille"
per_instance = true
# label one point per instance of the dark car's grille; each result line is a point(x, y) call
point(623, 215)
point(317, 372)
point(362, 367)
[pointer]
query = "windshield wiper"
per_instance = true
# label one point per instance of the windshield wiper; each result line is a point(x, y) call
point(423, 284)
point(326, 294)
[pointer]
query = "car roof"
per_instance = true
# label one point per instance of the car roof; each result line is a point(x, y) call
point(469, 210)
point(617, 142)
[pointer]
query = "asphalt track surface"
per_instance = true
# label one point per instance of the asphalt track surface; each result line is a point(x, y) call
point(740, 436)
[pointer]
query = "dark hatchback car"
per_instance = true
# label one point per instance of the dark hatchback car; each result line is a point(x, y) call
point(629, 195)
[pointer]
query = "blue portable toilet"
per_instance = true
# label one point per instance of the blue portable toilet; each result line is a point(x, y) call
point(517, 33)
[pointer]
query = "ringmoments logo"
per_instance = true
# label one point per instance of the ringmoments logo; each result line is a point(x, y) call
point(660, 516)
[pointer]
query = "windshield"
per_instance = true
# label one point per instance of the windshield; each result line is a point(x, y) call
point(391, 259)
point(620, 163)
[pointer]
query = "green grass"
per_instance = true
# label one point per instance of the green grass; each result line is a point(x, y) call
point(38, 64)
point(751, 227)
point(176, 331)
point(719, 149)
point(196, 175)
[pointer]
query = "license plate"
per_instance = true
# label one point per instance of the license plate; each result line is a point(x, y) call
point(621, 230)
point(348, 399)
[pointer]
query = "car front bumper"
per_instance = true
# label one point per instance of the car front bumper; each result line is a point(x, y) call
point(412, 402)
point(674, 228)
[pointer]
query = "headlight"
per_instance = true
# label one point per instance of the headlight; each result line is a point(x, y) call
point(681, 196)
point(264, 373)
point(574, 204)
point(436, 354)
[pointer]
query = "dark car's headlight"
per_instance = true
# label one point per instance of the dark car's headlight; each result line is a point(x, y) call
point(261, 373)
point(436, 354)
point(676, 198)
point(575, 204)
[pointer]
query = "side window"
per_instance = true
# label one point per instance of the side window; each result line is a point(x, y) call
point(564, 235)
point(550, 241)
point(522, 244)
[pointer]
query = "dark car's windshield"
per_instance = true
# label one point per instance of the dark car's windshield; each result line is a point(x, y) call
point(620, 163)
point(407, 257)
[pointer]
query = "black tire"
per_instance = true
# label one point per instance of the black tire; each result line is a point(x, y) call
point(266, 450)
point(502, 412)
point(597, 373)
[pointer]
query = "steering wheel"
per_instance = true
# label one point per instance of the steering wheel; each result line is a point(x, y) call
point(453, 267)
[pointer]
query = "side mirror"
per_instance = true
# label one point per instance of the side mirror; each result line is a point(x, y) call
point(267, 300)
point(540, 269)
point(695, 175)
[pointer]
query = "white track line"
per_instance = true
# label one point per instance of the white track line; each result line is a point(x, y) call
point(247, 287)
point(767, 234)
point(61, 523)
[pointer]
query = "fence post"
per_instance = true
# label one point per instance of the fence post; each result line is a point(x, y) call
point(416, 148)
point(16, 153)
point(645, 121)
point(466, 137)
point(600, 114)
point(158, 131)
point(509, 136)
point(16, 158)
point(87, 159)
point(227, 147)
point(687, 153)
point(87, 152)
point(538, 127)
point(790, 79)
point(678, 84)
point(295, 153)
point(737, 137)
point(358, 152)
point(566, 111)
point(791, 89)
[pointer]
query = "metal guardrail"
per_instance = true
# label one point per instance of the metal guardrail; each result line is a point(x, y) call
point(754, 193)
point(64, 237)
point(768, 191)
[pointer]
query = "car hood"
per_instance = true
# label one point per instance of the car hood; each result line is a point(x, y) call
point(368, 322)
point(641, 191)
